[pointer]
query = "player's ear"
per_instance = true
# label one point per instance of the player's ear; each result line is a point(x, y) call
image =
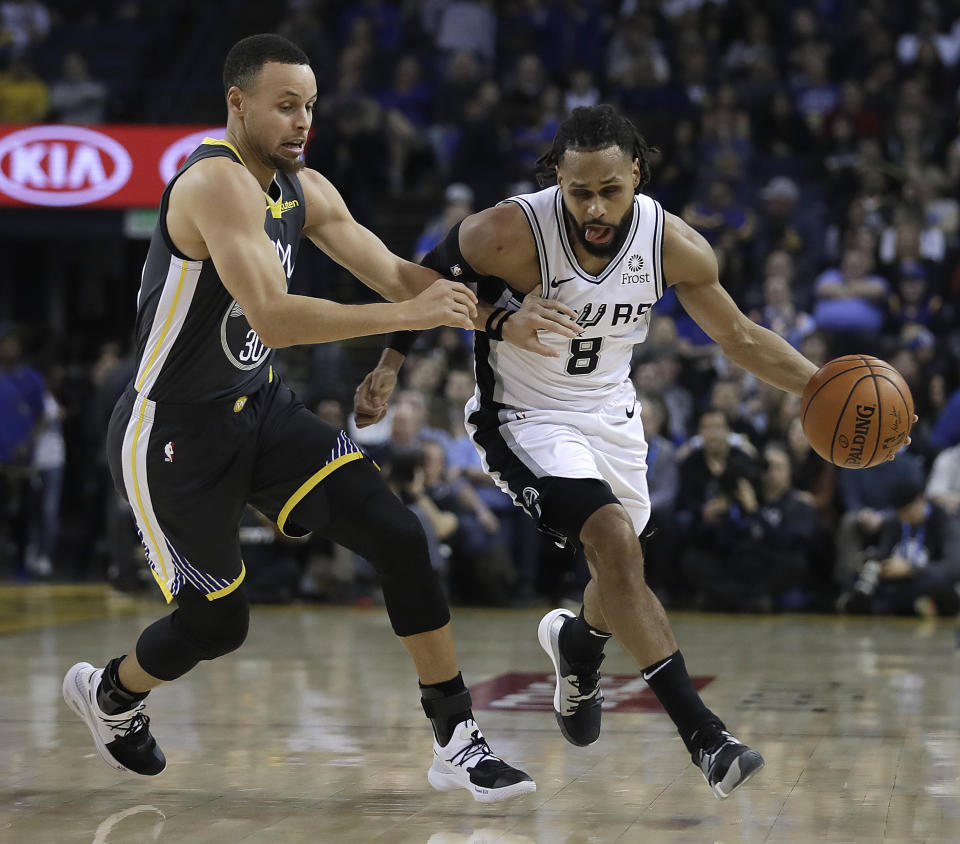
point(635, 170)
point(235, 101)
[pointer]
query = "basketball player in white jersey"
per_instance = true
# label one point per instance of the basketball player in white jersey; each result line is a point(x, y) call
point(560, 431)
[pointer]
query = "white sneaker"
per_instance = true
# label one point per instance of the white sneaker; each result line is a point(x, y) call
point(577, 699)
point(123, 740)
point(467, 762)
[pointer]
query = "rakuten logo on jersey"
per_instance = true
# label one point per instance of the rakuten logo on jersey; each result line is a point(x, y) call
point(177, 152)
point(62, 165)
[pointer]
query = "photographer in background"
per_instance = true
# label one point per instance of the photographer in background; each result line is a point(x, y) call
point(915, 566)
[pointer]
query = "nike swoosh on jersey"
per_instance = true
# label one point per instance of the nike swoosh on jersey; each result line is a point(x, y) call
point(655, 670)
point(558, 281)
point(631, 411)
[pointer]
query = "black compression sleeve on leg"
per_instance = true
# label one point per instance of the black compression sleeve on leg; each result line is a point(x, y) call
point(198, 629)
point(355, 508)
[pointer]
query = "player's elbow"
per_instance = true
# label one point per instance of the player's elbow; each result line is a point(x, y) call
point(269, 326)
point(741, 340)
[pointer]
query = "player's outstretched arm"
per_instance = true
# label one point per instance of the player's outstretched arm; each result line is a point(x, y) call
point(222, 206)
point(495, 242)
point(690, 267)
point(331, 226)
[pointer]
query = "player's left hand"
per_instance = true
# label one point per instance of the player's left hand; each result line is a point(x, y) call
point(370, 398)
point(907, 441)
point(537, 314)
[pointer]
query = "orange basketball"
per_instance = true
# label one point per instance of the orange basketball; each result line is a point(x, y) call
point(856, 411)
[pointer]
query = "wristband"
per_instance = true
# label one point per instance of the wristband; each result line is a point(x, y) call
point(401, 341)
point(495, 321)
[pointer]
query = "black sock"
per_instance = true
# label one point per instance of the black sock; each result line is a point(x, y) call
point(580, 641)
point(112, 695)
point(674, 689)
point(446, 704)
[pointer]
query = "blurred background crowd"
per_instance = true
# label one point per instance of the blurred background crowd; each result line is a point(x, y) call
point(815, 144)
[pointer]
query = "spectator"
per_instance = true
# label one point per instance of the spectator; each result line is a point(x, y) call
point(75, 97)
point(779, 312)
point(22, 391)
point(46, 483)
point(867, 495)
point(719, 519)
point(914, 566)
point(24, 23)
point(788, 226)
point(458, 199)
point(24, 96)
point(791, 539)
point(946, 432)
point(662, 540)
point(850, 303)
point(943, 486)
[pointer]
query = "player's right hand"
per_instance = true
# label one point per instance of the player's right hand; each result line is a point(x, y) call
point(444, 302)
point(370, 398)
point(539, 314)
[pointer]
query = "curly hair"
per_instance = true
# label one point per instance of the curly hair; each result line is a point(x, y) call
point(591, 128)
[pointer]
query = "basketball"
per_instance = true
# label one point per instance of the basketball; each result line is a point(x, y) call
point(856, 411)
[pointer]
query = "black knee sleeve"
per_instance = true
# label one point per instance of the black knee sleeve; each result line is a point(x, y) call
point(356, 509)
point(411, 589)
point(198, 629)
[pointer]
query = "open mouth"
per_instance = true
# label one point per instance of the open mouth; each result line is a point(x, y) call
point(598, 234)
point(295, 147)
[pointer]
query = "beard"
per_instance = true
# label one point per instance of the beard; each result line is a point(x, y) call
point(601, 250)
point(286, 165)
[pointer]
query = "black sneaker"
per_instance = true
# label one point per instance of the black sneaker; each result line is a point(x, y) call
point(123, 740)
point(725, 762)
point(576, 699)
point(466, 761)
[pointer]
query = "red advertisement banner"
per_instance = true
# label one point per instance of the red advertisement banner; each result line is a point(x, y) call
point(63, 166)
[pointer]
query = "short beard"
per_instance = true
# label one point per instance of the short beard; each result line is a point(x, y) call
point(601, 250)
point(286, 165)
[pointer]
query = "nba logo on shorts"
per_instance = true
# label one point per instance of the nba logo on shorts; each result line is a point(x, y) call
point(168, 452)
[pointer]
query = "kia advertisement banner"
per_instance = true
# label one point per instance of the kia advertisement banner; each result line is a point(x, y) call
point(62, 166)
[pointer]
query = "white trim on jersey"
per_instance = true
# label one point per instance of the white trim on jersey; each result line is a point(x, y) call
point(538, 241)
point(168, 319)
point(133, 457)
point(658, 230)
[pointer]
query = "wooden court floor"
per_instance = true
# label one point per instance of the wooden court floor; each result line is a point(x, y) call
point(312, 732)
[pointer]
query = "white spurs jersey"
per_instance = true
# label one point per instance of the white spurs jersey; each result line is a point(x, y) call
point(613, 308)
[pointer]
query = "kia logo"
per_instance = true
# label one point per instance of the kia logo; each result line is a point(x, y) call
point(177, 152)
point(62, 165)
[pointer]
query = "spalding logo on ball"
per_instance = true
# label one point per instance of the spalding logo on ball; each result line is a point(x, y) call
point(857, 411)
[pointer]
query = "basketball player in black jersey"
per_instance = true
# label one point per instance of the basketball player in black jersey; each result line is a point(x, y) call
point(207, 426)
point(607, 268)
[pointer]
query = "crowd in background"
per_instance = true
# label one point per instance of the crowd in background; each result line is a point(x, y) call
point(816, 145)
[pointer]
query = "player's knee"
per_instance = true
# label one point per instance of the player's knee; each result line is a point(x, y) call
point(218, 629)
point(405, 544)
point(611, 545)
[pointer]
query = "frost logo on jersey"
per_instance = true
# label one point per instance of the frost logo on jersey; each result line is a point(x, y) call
point(241, 344)
point(62, 165)
point(632, 275)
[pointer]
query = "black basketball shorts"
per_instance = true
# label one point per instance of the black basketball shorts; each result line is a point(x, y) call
point(188, 471)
